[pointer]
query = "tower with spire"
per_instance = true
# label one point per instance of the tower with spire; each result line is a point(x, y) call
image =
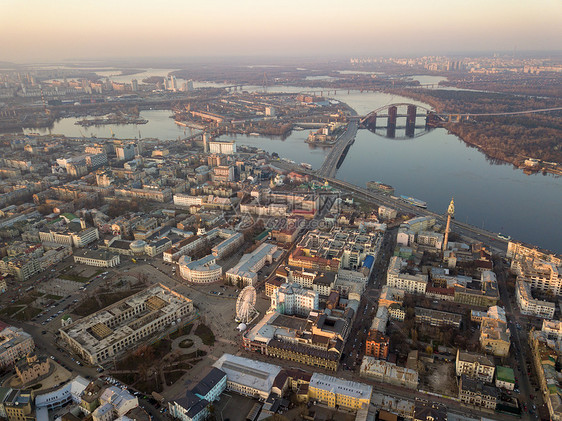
point(450, 214)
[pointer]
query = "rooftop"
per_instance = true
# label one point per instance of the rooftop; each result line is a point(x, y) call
point(105, 327)
point(341, 386)
point(505, 374)
point(251, 373)
point(473, 357)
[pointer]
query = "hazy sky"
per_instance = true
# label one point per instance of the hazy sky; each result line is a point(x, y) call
point(38, 30)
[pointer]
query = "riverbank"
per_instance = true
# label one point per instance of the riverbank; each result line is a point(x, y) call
point(471, 136)
point(510, 139)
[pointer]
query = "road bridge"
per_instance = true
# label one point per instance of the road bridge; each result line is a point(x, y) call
point(342, 144)
point(392, 113)
point(503, 113)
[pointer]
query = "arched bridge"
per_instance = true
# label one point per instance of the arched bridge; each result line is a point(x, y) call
point(392, 112)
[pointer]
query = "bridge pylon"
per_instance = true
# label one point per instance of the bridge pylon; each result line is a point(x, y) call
point(391, 121)
point(411, 120)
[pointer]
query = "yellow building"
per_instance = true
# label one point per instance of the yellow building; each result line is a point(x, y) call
point(495, 337)
point(32, 367)
point(333, 391)
point(18, 405)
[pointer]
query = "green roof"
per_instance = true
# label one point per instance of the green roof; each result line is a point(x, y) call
point(553, 389)
point(69, 216)
point(505, 374)
point(262, 235)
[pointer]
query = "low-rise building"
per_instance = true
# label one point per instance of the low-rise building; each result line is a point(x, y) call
point(429, 411)
point(495, 336)
point(336, 392)
point(99, 258)
point(477, 394)
point(14, 344)
point(114, 403)
point(391, 296)
point(22, 267)
point(248, 266)
point(18, 405)
point(248, 377)
point(156, 195)
point(69, 392)
point(475, 366)
point(317, 341)
point(387, 213)
point(76, 234)
point(54, 255)
point(505, 377)
point(32, 367)
point(552, 329)
point(154, 248)
point(202, 271)
point(194, 406)
point(187, 200)
point(324, 283)
point(546, 354)
point(397, 312)
point(121, 326)
point(483, 293)
point(291, 299)
point(395, 278)
point(272, 284)
point(437, 317)
point(387, 372)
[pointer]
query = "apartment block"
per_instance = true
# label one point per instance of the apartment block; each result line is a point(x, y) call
point(531, 306)
point(476, 366)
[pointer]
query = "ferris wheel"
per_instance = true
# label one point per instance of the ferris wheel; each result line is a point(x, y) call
point(245, 310)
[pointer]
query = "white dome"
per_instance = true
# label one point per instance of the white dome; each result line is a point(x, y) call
point(137, 246)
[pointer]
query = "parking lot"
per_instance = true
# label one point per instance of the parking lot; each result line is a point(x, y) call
point(68, 299)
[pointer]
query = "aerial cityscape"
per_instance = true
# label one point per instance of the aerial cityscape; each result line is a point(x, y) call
point(240, 211)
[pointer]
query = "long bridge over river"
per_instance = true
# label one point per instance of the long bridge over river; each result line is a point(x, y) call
point(387, 117)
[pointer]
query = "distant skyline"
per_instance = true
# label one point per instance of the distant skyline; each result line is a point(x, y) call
point(36, 30)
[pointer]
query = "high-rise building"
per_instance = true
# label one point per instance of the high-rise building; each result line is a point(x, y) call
point(125, 152)
point(134, 85)
point(222, 147)
point(205, 143)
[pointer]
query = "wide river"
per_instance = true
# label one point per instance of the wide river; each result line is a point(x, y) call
point(431, 167)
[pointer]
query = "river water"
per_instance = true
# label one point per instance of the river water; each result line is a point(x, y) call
point(432, 167)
